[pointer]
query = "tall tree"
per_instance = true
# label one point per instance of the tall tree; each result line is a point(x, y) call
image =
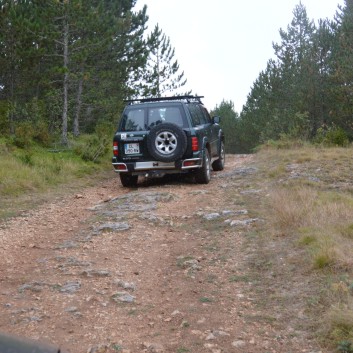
point(78, 57)
point(229, 119)
point(162, 74)
point(294, 54)
point(323, 46)
point(342, 77)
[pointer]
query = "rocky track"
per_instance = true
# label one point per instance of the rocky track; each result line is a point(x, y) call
point(160, 268)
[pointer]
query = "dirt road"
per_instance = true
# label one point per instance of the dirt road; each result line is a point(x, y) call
point(161, 268)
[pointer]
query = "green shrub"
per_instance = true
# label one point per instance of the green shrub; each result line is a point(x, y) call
point(24, 134)
point(4, 117)
point(90, 147)
point(28, 132)
point(42, 135)
point(345, 347)
point(332, 136)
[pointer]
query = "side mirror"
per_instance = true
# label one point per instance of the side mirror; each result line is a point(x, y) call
point(13, 344)
point(216, 119)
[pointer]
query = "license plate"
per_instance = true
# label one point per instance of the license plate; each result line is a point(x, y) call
point(132, 148)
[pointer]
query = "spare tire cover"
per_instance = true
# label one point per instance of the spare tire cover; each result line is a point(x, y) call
point(166, 142)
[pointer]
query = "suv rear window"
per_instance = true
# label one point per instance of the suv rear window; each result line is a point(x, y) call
point(142, 119)
point(134, 120)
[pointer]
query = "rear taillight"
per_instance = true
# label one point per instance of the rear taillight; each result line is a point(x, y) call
point(194, 144)
point(115, 149)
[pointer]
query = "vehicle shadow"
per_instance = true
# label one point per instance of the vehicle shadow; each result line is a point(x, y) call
point(170, 179)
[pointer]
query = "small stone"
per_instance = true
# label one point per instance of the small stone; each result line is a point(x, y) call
point(241, 212)
point(237, 223)
point(70, 287)
point(197, 332)
point(221, 333)
point(126, 285)
point(113, 227)
point(123, 297)
point(153, 347)
point(95, 273)
point(210, 336)
point(211, 216)
point(209, 345)
point(238, 344)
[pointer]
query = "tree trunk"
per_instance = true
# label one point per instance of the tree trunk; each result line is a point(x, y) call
point(76, 130)
point(66, 82)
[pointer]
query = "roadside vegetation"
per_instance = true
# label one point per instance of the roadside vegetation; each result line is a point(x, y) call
point(309, 207)
point(30, 170)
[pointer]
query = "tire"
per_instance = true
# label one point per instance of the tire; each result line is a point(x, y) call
point(218, 164)
point(166, 142)
point(203, 174)
point(128, 180)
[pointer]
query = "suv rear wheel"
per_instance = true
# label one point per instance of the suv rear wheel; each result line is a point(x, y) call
point(166, 142)
point(128, 180)
point(203, 174)
point(218, 164)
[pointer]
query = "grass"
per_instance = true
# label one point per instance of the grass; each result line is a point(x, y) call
point(205, 300)
point(310, 200)
point(28, 175)
point(326, 218)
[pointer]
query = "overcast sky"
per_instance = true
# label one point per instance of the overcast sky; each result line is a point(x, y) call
point(223, 45)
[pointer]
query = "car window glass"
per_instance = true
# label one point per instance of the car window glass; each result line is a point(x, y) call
point(173, 115)
point(134, 120)
point(195, 115)
point(158, 115)
point(205, 114)
point(155, 117)
point(203, 117)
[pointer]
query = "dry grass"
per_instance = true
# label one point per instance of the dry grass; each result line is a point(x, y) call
point(311, 197)
point(326, 217)
point(340, 322)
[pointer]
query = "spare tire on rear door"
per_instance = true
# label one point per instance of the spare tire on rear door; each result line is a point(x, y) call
point(166, 142)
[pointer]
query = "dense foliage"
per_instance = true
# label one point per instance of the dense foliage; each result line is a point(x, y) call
point(67, 65)
point(306, 91)
point(229, 124)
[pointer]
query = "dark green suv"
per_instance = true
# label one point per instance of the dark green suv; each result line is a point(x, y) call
point(169, 135)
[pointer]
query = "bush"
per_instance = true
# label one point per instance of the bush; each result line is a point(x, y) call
point(4, 118)
point(28, 132)
point(332, 136)
point(24, 134)
point(90, 147)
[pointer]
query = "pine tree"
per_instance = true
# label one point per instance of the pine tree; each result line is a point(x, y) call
point(342, 64)
point(162, 74)
point(298, 71)
point(78, 59)
point(229, 120)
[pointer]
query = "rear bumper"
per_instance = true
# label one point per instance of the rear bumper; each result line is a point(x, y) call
point(143, 168)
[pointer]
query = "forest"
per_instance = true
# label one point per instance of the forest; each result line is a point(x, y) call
point(305, 92)
point(66, 67)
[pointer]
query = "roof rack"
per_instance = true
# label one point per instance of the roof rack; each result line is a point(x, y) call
point(188, 98)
